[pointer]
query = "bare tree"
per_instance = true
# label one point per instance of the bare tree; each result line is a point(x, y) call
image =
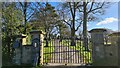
point(90, 11)
point(69, 13)
point(28, 11)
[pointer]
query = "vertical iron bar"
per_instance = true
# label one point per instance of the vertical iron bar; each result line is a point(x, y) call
point(68, 49)
point(53, 51)
point(45, 53)
point(88, 52)
point(79, 51)
point(54, 47)
point(59, 50)
point(50, 49)
point(81, 56)
point(76, 51)
point(73, 53)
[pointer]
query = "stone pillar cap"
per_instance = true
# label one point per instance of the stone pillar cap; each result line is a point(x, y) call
point(21, 36)
point(37, 31)
point(98, 30)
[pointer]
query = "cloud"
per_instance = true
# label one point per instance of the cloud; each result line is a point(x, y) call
point(107, 21)
point(88, 25)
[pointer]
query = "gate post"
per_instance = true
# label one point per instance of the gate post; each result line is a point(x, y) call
point(17, 45)
point(42, 47)
point(37, 39)
point(97, 39)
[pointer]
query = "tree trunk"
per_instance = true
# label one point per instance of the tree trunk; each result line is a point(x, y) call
point(73, 25)
point(8, 43)
point(73, 37)
point(46, 37)
point(25, 20)
point(85, 41)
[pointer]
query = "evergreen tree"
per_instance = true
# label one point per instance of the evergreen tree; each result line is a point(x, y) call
point(46, 18)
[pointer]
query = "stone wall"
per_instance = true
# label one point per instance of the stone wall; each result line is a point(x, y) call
point(29, 54)
point(104, 54)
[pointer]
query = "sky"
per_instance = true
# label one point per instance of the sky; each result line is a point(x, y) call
point(108, 20)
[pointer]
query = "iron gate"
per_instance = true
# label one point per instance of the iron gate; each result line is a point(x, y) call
point(59, 50)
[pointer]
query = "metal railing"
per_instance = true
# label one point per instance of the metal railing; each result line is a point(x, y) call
point(59, 50)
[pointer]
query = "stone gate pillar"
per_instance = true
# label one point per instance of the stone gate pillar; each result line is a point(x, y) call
point(37, 43)
point(97, 39)
point(17, 45)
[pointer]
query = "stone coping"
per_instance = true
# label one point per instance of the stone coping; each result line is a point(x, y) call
point(21, 36)
point(37, 31)
point(114, 34)
point(98, 30)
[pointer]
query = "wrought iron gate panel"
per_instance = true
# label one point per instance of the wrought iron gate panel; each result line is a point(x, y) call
point(61, 51)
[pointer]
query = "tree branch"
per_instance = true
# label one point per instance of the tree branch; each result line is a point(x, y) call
point(91, 6)
point(31, 15)
point(96, 8)
point(78, 5)
point(78, 26)
point(67, 23)
point(21, 5)
point(86, 3)
point(80, 10)
point(71, 9)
